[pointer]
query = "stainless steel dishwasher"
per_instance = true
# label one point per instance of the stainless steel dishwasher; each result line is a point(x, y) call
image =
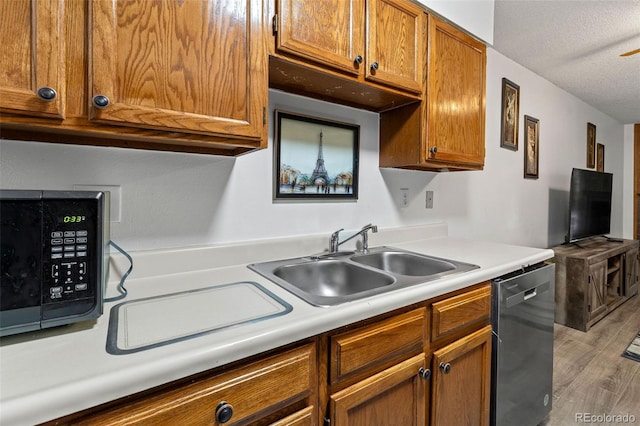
point(522, 356)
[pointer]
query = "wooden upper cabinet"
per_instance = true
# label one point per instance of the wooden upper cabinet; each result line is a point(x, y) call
point(446, 131)
point(32, 58)
point(379, 41)
point(195, 66)
point(328, 32)
point(395, 38)
point(455, 96)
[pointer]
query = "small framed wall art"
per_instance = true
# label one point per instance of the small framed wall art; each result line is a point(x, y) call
point(591, 145)
point(510, 113)
point(600, 160)
point(532, 147)
point(315, 159)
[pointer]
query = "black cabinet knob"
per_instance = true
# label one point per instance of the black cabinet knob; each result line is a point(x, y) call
point(47, 94)
point(445, 367)
point(100, 101)
point(374, 66)
point(433, 149)
point(358, 60)
point(424, 373)
point(224, 412)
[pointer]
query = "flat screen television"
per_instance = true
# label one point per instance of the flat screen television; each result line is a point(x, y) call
point(589, 204)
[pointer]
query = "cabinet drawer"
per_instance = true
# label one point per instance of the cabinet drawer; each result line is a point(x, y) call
point(375, 346)
point(455, 313)
point(254, 391)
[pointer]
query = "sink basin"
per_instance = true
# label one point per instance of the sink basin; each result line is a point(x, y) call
point(404, 263)
point(331, 278)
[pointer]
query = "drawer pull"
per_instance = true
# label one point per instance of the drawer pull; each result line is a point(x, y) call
point(446, 368)
point(224, 412)
point(100, 101)
point(358, 60)
point(424, 373)
point(47, 94)
point(374, 67)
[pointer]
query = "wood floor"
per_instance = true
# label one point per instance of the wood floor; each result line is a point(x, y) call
point(590, 376)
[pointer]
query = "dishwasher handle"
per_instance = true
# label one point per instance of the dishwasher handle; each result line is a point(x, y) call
point(528, 294)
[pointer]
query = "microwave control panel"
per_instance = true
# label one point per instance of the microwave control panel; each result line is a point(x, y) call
point(69, 240)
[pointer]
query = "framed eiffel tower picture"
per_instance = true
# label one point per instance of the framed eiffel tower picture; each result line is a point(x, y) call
point(315, 158)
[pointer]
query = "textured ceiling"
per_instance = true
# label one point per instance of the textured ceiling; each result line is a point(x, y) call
point(576, 45)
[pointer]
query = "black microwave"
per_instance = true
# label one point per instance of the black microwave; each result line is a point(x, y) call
point(53, 258)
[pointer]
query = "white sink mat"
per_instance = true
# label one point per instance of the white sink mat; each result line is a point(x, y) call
point(146, 323)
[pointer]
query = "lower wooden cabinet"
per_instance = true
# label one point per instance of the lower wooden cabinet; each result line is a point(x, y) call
point(425, 364)
point(462, 381)
point(395, 396)
point(278, 390)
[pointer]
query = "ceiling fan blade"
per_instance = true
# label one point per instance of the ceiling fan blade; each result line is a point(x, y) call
point(631, 52)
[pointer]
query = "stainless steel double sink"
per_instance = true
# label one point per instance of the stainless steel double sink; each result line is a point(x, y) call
point(333, 278)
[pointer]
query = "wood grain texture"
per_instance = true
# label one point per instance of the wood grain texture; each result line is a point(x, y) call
point(376, 345)
point(395, 40)
point(451, 116)
point(196, 65)
point(395, 396)
point(31, 57)
point(456, 95)
point(254, 391)
point(328, 32)
point(456, 313)
point(592, 278)
point(462, 396)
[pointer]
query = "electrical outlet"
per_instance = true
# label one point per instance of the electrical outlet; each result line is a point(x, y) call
point(115, 192)
point(404, 200)
point(429, 200)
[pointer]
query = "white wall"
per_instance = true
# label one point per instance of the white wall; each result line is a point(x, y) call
point(173, 199)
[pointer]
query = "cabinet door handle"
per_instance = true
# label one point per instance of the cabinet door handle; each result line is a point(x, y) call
point(424, 373)
point(433, 149)
point(224, 412)
point(445, 367)
point(374, 66)
point(47, 94)
point(100, 101)
point(358, 60)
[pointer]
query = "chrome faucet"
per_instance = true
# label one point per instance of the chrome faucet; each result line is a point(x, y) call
point(335, 242)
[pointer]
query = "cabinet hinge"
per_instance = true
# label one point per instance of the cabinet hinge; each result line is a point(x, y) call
point(327, 421)
point(274, 24)
point(264, 115)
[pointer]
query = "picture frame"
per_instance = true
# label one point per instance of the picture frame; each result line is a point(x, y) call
point(315, 158)
point(510, 115)
point(532, 147)
point(600, 159)
point(591, 145)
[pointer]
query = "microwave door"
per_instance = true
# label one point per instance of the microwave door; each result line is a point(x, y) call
point(20, 265)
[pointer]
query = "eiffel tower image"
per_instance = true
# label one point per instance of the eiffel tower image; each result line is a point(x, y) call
point(320, 172)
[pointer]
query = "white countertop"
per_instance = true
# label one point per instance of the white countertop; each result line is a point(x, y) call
point(51, 373)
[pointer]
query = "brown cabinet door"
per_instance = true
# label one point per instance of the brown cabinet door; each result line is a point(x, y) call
point(396, 31)
point(462, 381)
point(395, 396)
point(631, 272)
point(193, 66)
point(596, 289)
point(32, 58)
point(456, 96)
point(327, 32)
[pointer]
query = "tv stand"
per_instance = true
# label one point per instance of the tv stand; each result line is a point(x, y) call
point(593, 278)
